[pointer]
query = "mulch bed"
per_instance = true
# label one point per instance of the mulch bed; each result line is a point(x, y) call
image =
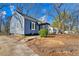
point(55, 45)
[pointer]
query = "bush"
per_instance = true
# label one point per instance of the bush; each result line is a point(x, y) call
point(43, 32)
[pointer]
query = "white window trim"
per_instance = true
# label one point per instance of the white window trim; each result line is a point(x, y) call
point(34, 25)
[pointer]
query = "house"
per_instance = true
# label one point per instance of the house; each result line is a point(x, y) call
point(23, 24)
point(69, 32)
point(44, 25)
point(2, 26)
point(51, 30)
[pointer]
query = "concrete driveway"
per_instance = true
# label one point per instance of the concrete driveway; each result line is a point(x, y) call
point(12, 47)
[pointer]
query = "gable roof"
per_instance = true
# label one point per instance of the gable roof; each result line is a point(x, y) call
point(27, 17)
point(44, 23)
point(32, 19)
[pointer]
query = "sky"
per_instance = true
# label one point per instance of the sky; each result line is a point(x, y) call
point(39, 10)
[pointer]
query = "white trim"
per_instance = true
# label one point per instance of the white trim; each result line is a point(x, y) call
point(33, 23)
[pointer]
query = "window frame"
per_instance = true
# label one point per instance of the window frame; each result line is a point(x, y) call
point(33, 24)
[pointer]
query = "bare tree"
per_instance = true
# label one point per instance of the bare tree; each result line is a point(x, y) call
point(57, 7)
point(23, 6)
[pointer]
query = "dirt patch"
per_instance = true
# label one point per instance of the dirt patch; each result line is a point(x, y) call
point(9, 46)
point(56, 45)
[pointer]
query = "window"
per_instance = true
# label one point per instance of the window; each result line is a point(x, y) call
point(43, 26)
point(33, 26)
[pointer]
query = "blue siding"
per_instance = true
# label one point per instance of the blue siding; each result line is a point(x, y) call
point(28, 29)
point(36, 29)
point(27, 26)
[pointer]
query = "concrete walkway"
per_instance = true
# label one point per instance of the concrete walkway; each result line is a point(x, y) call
point(11, 47)
point(29, 38)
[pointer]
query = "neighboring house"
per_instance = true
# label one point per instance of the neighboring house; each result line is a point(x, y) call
point(23, 24)
point(69, 32)
point(2, 26)
point(51, 30)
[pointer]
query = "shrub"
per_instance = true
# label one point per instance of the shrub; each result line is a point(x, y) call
point(43, 32)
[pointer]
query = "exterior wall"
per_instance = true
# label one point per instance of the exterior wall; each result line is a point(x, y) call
point(36, 29)
point(24, 26)
point(45, 26)
point(28, 27)
point(2, 27)
point(50, 30)
point(16, 26)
